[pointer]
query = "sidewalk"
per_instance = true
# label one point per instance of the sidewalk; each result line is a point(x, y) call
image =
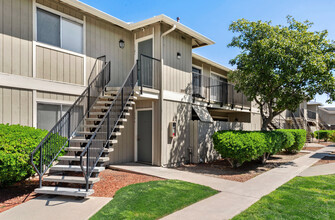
point(234, 197)
point(55, 208)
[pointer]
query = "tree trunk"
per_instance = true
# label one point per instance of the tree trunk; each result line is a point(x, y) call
point(266, 121)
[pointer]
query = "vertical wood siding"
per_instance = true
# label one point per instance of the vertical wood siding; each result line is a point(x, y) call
point(103, 38)
point(59, 66)
point(56, 96)
point(124, 149)
point(177, 72)
point(175, 150)
point(16, 106)
point(16, 37)
point(56, 5)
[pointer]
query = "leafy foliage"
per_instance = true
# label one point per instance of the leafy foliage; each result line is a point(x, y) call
point(281, 66)
point(299, 139)
point(324, 134)
point(16, 144)
point(242, 146)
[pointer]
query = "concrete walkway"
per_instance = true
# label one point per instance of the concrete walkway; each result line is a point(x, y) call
point(234, 197)
point(324, 169)
point(55, 208)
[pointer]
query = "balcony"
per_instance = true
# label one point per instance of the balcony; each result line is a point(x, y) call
point(311, 115)
point(212, 90)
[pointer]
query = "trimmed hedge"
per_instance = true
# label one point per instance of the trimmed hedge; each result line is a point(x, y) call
point(241, 146)
point(324, 134)
point(299, 139)
point(16, 144)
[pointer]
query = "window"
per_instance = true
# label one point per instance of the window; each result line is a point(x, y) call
point(196, 82)
point(49, 114)
point(60, 32)
point(219, 88)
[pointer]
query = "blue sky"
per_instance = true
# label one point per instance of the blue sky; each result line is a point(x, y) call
point(212, 17)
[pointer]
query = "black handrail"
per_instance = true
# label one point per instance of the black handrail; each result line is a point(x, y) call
point(222, 92)
point(104, 131)
point(94, 68)
point(146, 70)
point(59, 136)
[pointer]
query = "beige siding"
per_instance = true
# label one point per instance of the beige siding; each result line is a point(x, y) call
point(175, 151)
point(16, 106)
point(58, 66)
point(103, 38)
point(124, 149)
point(143, 32)
point(56, 96)
point(16, 37)
point(177, 73)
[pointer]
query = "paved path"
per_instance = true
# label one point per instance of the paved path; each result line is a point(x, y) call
point(50, 208)
point(234, 197)
point(324, 169)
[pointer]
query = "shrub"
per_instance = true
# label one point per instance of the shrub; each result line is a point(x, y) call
point(299, 139)
point(241, 146)
point(323, 134)
point(16, 144)
point(332, 138)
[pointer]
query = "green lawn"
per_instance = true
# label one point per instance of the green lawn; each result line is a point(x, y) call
point(152, 200)
point(300, 198)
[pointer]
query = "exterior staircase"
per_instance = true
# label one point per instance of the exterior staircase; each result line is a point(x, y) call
point(70, 158)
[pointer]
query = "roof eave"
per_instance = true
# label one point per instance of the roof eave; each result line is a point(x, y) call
point(215, 64)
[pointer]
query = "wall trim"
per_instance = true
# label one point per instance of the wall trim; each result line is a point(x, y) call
point(30, 83)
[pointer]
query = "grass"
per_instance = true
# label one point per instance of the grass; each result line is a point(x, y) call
point(300, 198)
point(152, 200)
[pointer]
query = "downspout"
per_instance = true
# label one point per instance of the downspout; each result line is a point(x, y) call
point(161, 85)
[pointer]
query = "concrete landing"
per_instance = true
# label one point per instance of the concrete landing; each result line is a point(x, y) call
point(55, 208)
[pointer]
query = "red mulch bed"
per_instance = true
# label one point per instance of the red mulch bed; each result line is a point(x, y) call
point(112, 180)
point(222, 169)
point(17, 194)
point(325, 160)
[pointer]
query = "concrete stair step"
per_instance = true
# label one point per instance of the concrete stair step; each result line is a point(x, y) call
point(74, 168)
point(64, 191)
point(83, 140)
point(95, 126)
point(91, 133)
point(70, 179)
point(80, 149)
point(77, 158)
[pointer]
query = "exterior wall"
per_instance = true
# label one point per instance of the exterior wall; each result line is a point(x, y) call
point(55, 96)
point(201, 138)
point(16, 106)
point(177, 75)
point(327, 116)
point(59, 66)
point(16, 37)
point(124, 149)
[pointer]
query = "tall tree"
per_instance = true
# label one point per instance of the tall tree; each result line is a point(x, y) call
point(281, 66)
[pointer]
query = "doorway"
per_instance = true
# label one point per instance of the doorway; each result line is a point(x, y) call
point(144, 55)
point(144, 136)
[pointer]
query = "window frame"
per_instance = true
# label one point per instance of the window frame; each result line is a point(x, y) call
point(61, 15)
point(212, 73)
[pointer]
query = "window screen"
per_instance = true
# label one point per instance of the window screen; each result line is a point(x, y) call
point(47, 115)
point(57, 31)
point(72, 36)
point(48, 28)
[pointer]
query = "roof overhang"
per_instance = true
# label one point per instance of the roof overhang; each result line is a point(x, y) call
point(198, 40)
point(212, 63)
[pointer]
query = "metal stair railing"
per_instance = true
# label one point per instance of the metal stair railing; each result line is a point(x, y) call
point(103, 133)
point(147, 67)
point(47, 151)
point(96, 68)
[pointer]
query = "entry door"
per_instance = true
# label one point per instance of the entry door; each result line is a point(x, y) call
point(145, 48)
point(144, 136)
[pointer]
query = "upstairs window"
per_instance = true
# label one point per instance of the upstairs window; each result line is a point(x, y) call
point(60, 32)
point(196, 81)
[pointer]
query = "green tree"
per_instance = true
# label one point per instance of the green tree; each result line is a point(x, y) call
point(281, 66)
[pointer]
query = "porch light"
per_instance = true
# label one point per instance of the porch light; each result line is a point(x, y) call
point(178, 56)
point(121, 44)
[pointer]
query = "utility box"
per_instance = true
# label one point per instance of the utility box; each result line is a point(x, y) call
point(172, 129)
